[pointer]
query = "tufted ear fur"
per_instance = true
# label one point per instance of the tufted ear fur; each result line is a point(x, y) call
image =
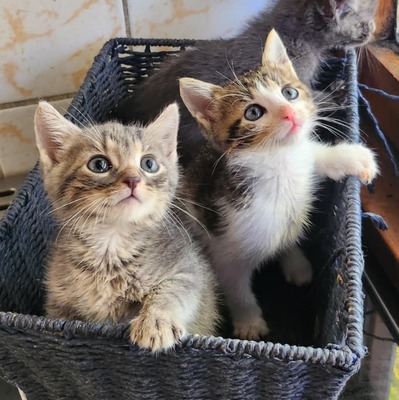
point(198, 97)
point(275, 52)
point(51, 131)
point(164, 129)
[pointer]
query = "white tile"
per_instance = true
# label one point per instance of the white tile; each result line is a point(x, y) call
point(18, 152)
point(47, 46)
point(191, 19)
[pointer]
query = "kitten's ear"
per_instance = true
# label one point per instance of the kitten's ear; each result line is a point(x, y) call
point(51, 129)
point(198, 98)
point(275, 52)
point(165, 128)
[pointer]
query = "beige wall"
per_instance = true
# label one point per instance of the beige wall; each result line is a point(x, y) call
point(47, 46)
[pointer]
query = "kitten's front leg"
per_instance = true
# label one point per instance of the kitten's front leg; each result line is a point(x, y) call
point(246, 314)
point(339, 161)
point(165, 313)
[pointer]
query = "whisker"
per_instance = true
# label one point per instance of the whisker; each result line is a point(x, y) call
point(176, 221)
point(67, 204)
point(82, 210)
point(192, 216)
point(196, 204)
point(216, 163)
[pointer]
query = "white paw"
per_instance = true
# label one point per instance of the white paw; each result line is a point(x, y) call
point(358, 161)
point(156, 332)
point(367, 165)
point(296, 268)
point(250, 329)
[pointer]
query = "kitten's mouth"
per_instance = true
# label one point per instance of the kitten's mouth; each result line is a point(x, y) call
point(295, 128)
point(129, 199)
point(132, 198)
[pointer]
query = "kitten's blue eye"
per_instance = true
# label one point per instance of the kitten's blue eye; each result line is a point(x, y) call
point(99, 165)
point(254, 112)
point(290, 93)
point(149, 164)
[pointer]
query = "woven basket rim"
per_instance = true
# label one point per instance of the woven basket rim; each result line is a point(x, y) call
point(330, 355)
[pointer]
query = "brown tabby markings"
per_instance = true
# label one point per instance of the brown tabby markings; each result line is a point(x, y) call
point(122, 253)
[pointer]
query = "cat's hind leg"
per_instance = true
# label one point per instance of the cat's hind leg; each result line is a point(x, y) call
point(296, 267)
point(248, 322)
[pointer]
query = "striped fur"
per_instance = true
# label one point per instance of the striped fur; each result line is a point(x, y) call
point(121, 253)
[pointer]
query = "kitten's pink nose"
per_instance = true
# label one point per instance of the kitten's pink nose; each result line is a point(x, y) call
point(288, 114)
point(131, 181)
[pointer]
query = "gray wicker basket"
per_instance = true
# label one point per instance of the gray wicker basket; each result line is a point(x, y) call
point(59, 359)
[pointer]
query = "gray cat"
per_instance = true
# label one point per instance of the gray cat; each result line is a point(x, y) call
point(308, 29)
point(122, 253)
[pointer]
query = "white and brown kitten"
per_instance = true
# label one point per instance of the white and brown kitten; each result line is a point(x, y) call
point(120, 254)
point(257, 174)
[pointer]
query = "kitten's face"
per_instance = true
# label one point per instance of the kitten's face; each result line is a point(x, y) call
point(345, 22)
point(265, 107)
point(109, 172)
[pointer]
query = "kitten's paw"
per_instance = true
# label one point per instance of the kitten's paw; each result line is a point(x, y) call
point(365, 167)
point(156, 332)
point(296, 268)
point(356, 160)
point(250, 329)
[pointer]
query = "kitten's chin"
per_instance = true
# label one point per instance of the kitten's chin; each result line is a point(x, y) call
point(130, 201)
point(137, 211)
point(294, 133)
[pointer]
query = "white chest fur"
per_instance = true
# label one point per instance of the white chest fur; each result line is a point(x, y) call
point(276, 215)
point(113, 242)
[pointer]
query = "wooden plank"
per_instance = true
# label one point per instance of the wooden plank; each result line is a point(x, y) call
point(385, 202)
point(385, 20)
point(380, 69)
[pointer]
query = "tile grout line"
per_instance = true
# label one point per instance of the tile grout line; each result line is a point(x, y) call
point(30, 102)
point(127, 18)
point(1, 171)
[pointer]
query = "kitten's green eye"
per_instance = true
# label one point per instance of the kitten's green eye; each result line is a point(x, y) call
point(290, 93)
point(99, 165)
point(253, 112)
point(149, 164)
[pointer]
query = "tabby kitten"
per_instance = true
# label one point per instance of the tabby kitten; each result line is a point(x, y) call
point(308, 28)
point(256, 175)
point(120, 254)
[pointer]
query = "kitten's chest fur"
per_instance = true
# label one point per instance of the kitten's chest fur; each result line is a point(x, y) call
point(111, 268)
point(268, 203)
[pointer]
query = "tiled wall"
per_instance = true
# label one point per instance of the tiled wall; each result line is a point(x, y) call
point(47, 46)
